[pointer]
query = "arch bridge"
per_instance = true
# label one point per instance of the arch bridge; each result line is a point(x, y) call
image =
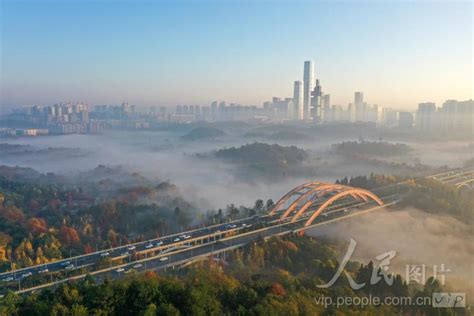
point(311, 199)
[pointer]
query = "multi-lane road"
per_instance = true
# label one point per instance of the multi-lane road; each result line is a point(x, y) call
point(170, 251)
point(186, 247)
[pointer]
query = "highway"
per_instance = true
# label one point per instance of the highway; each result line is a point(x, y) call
point(193, 245)
point(201, 244)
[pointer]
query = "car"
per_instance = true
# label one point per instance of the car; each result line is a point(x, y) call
point(159, 243)
point(138, 265)
point(346, 210)
point(149, 246)
point(244, 225)
point(8, 279)
point(163, 258)
point(187, 236)
point(231, 226)
point(120, 270)
point(131, 248)
point(126, 253)
point(65, 263)
point(69, 267)
point(44, 270)
point(27, 274)
point(105, 254)
point(182, 236)
point(218, 231)
point(176, 239)
point(128, 271)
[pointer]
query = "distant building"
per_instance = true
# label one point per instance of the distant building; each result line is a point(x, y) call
point(390, 117)
point(326, 108)
point(279, 108)
point(426, 116)
point(316, 102)
point(308, 81)
point(405, 120)
point(298, 102)
point(360, 107)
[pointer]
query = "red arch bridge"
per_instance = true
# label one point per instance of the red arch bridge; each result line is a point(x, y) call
point(314, 198)
point(303, 207)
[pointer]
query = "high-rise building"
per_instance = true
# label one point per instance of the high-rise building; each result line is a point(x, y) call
point(308, 80)
point(326, 108)
point(359, 106)
point(298, 100)
point(426, 116)
point(316, 102)
point(405, 120)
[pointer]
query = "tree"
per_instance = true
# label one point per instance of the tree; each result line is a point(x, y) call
point(269, 205)
point(258, 207)
point(69, 236)
point(232, 211)
point(37, 226)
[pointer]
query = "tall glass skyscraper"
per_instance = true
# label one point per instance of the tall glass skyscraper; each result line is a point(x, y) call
point(308, 79)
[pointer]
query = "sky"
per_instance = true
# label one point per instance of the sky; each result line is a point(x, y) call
point(399, 53)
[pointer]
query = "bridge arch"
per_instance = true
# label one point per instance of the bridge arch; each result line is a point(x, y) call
point(319, 195)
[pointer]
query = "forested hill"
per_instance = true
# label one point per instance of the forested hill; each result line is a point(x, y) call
point(277, 277)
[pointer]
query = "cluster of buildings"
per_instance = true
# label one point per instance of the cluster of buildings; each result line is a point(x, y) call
point(453, 116)
point(309, 103)
point(62, 118)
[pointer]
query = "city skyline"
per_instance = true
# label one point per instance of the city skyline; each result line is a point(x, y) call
point(234, 56)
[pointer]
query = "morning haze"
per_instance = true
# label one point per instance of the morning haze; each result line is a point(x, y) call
point(236, 158)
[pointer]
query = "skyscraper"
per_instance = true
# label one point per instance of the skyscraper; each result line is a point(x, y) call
point(298, 100)
point(325, 108)
point(308, 79)
point(315, 110)
point(359, 106)
point(425, 116)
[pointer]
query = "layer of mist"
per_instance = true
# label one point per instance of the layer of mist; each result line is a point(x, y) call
point(416, 236)
point(167, 155)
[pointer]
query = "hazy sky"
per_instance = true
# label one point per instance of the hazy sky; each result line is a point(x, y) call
point(167, 52)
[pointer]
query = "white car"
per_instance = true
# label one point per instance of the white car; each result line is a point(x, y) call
point(138, 265)
point(126, 253)
point(105, 254)
point(176, 239)
point(9, 279)
point(128, 271)
point(149, 246)
point(159, 243)
point(187, 236)
point(131, 248)
point(231, 226)
point(69, 267)
point(45, 270)
point(27, 274)
point(163, 258)
point(120, 270)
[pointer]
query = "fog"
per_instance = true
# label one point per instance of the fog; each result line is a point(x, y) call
point(212, 183)
point(417, 237)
